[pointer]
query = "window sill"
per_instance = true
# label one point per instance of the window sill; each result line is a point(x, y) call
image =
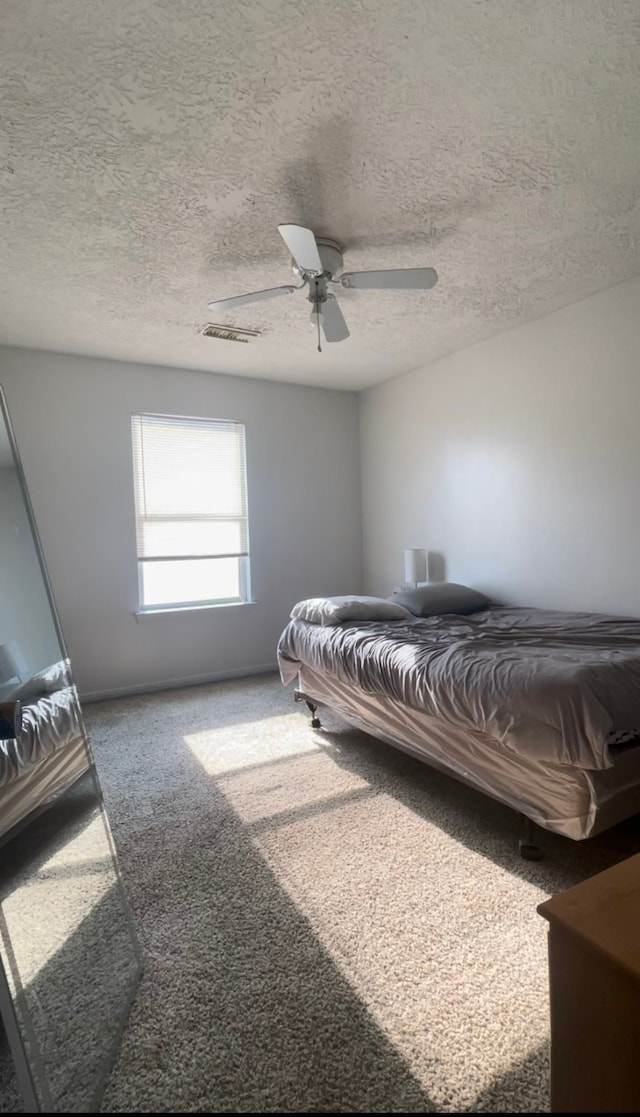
point(178, 610)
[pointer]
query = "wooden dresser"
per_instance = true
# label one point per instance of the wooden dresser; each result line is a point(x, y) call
point(594, 979)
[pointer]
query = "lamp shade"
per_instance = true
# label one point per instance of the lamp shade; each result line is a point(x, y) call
point(415, 565)
point(12, 664)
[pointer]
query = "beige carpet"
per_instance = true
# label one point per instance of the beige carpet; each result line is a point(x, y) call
point(328, 924)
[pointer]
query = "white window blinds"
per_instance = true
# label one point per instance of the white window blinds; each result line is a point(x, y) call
point(191, 509)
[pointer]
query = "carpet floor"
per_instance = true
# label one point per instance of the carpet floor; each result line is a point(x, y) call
point(327, 924)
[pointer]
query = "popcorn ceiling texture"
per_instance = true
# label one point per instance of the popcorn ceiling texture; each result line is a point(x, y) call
point(149, 148)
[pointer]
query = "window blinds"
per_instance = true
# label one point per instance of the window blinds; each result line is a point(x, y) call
point(190, 488)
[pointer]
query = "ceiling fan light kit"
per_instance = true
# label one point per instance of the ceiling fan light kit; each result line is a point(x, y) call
point(317, 261)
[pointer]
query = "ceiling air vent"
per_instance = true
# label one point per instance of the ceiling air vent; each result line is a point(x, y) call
point(230, 333)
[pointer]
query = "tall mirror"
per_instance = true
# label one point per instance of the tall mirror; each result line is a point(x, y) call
point(70, 961)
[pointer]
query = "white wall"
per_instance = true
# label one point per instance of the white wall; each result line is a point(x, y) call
point(518, 460)
point(72, 420)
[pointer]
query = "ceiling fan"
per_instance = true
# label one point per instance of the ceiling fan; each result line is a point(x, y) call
point(317, 261)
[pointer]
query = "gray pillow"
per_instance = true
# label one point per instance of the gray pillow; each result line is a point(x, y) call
point(440, 597)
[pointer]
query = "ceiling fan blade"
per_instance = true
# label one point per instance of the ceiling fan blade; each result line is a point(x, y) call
point(405, 279)
point(334, 326)
point(302, 246)
point(253, 297)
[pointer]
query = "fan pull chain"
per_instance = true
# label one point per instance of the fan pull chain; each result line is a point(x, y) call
point(317, 304)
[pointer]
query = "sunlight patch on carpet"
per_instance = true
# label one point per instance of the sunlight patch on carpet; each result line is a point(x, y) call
point(230, 748)
point(283, 789)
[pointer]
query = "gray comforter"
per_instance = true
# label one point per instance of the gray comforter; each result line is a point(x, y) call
point(551, 685)
point(50, 721)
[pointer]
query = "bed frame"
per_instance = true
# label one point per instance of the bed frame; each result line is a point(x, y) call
point(574, 802)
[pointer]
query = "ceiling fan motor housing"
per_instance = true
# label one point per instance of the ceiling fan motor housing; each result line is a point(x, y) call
point(317, 261)
point(330, 256)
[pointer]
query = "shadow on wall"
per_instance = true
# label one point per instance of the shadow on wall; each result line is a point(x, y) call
point(436, 567)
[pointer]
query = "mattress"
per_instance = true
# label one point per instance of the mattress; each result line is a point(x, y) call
point(42, 784)
point(51, 721)
point(51, 752)
point(544, 685)
point(48, 725)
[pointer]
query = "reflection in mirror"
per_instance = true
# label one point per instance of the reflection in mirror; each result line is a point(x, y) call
point(70, 959)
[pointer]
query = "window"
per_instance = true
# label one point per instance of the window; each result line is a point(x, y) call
point(191, 512)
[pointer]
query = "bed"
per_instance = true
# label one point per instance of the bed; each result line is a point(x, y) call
point(48, 754)
point(539, 709)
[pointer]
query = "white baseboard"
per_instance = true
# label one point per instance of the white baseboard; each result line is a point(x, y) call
point(175, 684)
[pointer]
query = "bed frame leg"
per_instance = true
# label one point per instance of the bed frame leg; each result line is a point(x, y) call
point(315, 720)
point(527, 847)
point(298, 696)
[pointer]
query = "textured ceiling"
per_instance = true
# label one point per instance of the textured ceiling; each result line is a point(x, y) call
point(149, 148)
